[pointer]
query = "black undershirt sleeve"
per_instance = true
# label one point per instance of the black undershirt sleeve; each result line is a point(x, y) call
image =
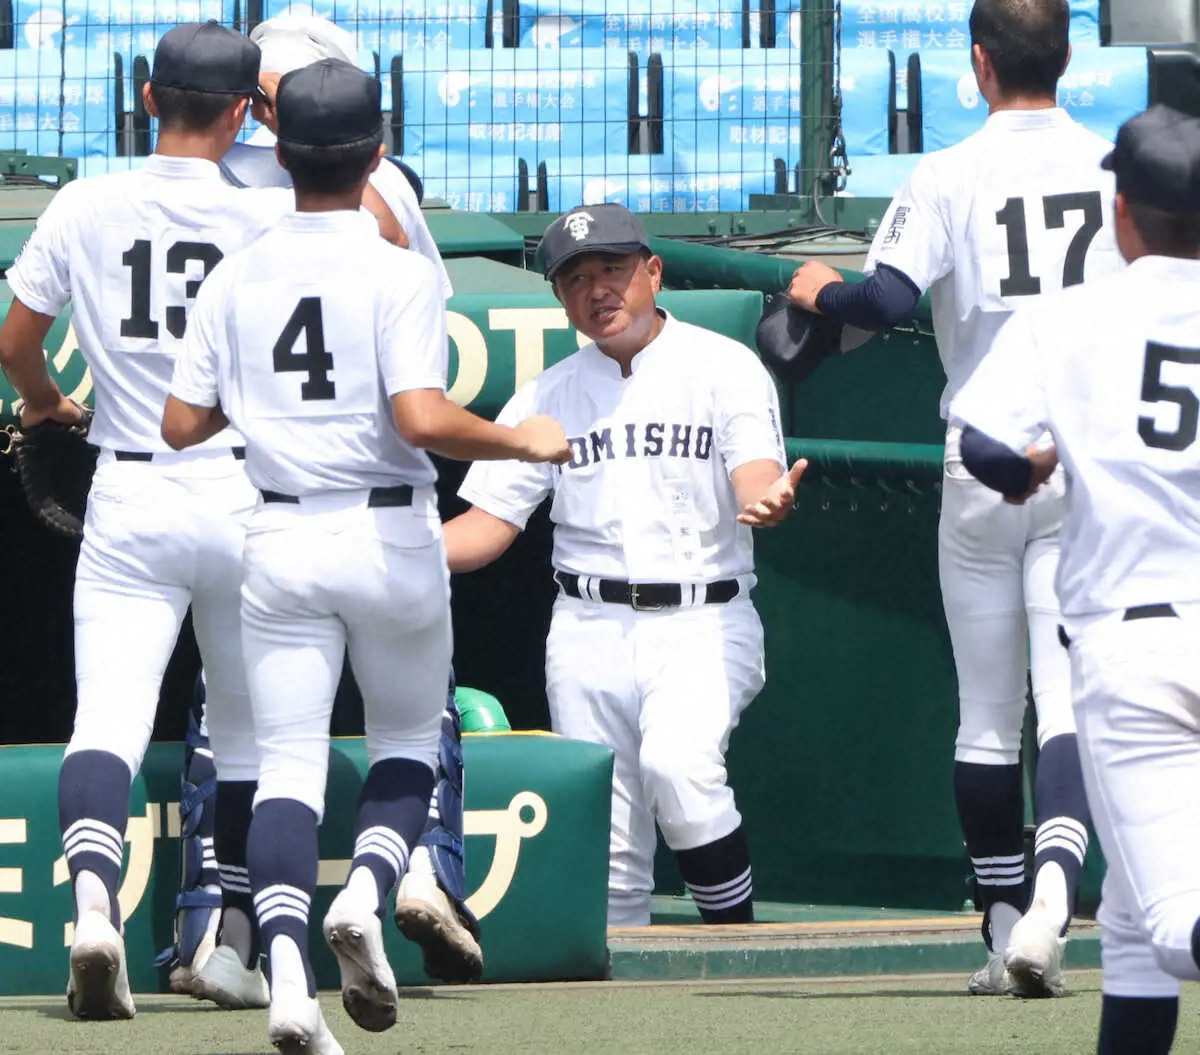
point(880, 301)
point(994, 465)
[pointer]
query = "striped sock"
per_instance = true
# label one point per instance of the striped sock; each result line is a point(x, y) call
point(234, 813)
point(392, 811)
point(719, 878)
point(93, 810)
point(1062, 823)
point(991, 811)
point(282, 856)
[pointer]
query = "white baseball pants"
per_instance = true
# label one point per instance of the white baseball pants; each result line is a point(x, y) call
point(1137, 705)
point(330, 575)
point(159, 536)
point(997, 564)
point(664, 690)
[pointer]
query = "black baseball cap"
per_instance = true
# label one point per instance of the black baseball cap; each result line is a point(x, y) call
point(1156, 160)
point(610, 229)
point(206, 57)
point(328, 103)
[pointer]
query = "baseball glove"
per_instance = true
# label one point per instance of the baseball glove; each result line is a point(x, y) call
point(55, 463)
point(794, 342)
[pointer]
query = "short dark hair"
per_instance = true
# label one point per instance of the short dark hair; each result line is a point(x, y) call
point(1166, 233)
point(189, 111)
point(1027, 42)
point(328, 170)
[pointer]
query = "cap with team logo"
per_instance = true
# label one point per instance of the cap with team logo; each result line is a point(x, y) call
point(328, 103)
point(610, 229)
point(1156, 160)
point(206, 57)
point(297, 38)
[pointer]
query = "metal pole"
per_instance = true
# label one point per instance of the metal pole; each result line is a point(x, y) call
point(816, 95)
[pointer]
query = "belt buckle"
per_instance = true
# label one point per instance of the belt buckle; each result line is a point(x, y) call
point(637, 606)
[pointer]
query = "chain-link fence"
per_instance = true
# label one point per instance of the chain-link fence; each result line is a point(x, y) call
point(663, 105)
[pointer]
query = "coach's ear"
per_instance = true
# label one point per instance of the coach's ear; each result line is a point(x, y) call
point(148, 100)
point(280, 158)
point(380, 154)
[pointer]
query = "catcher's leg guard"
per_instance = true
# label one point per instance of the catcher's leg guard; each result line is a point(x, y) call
point(431, 906)
point(199, 900)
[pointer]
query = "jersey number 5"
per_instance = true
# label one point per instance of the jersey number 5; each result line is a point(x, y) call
point(314, 360)
point(137, 258)
point(1020, 282)
point(1154, 391)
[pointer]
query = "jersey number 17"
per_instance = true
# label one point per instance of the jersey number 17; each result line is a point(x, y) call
point(1021, 282)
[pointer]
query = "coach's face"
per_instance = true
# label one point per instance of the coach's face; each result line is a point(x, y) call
point(611, 298)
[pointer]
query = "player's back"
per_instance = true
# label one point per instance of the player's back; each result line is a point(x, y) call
point(322, 319)
point(130, 251)
point(1028, 211)
point(1122, 379)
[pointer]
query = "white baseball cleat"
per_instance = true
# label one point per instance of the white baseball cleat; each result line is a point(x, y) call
point(426, 915)
point(991, 979)
point(296, 1025)
point(355, 934)
point(228, 983)
point(99, 985)
point(1034, 955)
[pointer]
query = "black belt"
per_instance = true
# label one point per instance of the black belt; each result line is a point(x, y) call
point(379, 498)
point(646, 596)
point(147, 456)
point(1141, 611)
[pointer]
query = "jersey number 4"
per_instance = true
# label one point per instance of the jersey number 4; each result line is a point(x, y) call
point(137, 258)
point(314, 360)
point(1154, 391)
point(1020, 282)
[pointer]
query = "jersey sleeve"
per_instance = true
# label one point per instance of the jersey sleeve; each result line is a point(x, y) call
point(197, 366)
point(746, 423)
point(510, 490)
point(41, 276)
point(413, 351)
point(1005, 398)
point(394, 188)
point(914, 235)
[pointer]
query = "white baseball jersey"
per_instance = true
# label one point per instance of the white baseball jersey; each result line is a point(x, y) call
point(1018, 209)
point(1112, 369)
point(129, 250)
point(253, 164)
point(646, 495)
point(303, 337)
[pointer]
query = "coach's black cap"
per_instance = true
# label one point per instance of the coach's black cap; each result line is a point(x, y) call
point(328, 103)
point(610, 229)
point(206, 57)
point(1157, 160)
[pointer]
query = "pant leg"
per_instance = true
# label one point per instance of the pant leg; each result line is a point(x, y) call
point(697, 670)
point(222, 511)
point(981, 553)
point(593, 697)
point(1137, 705)
point(130, 601)
point(1050, 666)
point(396, 607)
point(293, 646)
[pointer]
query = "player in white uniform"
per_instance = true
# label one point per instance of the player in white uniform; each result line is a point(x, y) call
point(1111, 369)
point(288, 42)
point(327, 348)
point(1017, 210)
point(655, 647)
point(431, 906)
point(163, 530)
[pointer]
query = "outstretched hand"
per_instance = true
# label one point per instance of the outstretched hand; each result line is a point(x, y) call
point(775, 505)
